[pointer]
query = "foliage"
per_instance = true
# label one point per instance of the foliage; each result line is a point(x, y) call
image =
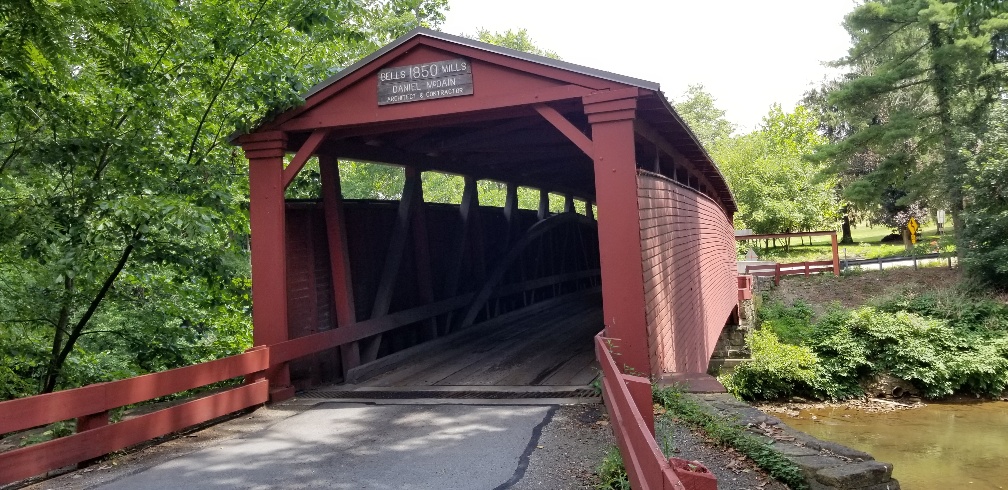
point(729, 434)
point(922, 77)
point(944, 343)
point(775, 371)
point(766, 169)
point(789, 323)
point(985, 221)
point(515, 39)
point(699, 110)
point(612, 473)
point(123, 226)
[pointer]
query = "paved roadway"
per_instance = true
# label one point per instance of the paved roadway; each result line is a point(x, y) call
point(346, 445)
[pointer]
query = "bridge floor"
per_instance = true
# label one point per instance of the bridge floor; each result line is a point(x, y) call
point(552, 347)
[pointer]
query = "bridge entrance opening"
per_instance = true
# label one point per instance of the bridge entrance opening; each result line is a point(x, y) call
point(636, 240)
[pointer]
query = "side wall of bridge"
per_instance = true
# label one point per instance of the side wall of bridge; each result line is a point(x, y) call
point(688, 256)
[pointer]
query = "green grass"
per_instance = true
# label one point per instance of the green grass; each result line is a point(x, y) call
point(866, 245)
point(612, 474)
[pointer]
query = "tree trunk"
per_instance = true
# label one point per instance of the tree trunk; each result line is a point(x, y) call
point(845, 228)
point(955, 167)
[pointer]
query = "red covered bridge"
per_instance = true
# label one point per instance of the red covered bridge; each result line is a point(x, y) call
point(340, 284)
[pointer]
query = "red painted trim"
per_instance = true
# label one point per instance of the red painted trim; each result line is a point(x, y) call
point(646, 466)
point(34, 411)
point(302, 156)
point(37, 459)
point(586, 83)
point(564, 126)
point(267, 213)
point(458, 107)
point(620, 240)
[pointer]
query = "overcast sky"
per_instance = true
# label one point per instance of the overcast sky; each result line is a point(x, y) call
point(748, 54)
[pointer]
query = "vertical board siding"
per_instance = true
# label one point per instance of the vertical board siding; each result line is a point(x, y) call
point(690, 285)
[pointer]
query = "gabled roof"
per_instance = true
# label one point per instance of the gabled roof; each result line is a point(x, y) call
point(494, 133)
point(491, 48)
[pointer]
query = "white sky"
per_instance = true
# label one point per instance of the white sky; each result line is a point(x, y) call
point(747, 53)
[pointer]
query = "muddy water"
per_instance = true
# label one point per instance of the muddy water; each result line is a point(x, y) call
point(940, 446)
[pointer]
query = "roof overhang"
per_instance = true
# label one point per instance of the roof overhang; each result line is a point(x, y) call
point(496, 131)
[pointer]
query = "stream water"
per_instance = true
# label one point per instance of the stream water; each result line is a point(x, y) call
point(939, 446)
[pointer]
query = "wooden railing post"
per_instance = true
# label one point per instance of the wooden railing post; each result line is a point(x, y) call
point(777, 274)
point(836, 254)
point(93, 421)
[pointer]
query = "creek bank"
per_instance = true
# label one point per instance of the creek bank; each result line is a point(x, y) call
point(825, 465)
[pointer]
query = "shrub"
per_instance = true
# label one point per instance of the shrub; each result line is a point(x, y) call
point(792, 324)
point(776, 370)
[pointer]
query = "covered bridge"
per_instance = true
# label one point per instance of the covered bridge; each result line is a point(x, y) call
point(338, 283)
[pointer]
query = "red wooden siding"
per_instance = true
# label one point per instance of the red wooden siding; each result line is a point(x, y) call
point(688, 254)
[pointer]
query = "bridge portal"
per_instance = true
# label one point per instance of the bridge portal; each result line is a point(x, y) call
point(643, 247)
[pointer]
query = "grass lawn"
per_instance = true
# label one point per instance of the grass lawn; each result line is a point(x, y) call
point(867, 245)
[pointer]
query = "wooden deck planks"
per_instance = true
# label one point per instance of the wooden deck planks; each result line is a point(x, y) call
point(549, 348)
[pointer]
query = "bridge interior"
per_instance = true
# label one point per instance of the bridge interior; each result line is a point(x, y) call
point(548, 348)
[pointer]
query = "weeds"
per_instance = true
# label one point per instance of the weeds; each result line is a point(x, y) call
point(612, 474)
point(728, 434)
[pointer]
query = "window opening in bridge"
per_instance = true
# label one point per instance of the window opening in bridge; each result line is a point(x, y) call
point(366, 180)
point(308, 183)
point(491, 193)
point(556, 203)
point(579, 207)
point(528, 198)
point(443, 188)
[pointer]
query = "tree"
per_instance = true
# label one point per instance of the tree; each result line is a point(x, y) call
point(699, 110)
point(515, 39)
point(985, 221)
point(122, 208)
point(923, 77)
point(766, 171)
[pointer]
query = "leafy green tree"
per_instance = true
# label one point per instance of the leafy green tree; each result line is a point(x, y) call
point(123, 224)
point(698, 108)
point(767, 172)
point(985, 220)
point(515, 39)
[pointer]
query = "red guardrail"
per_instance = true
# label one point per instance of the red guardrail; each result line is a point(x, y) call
point(646, 465)
point(776, 271)
point(90, 405)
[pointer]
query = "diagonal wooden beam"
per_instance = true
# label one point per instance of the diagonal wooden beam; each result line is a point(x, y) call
point(564, 126)
point(339, 257)
point(544, 211)
point(393, 259)
point(302, 155)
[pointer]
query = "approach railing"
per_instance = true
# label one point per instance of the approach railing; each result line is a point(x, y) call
point(776, 271)
point(90, 406)
point(647, 467)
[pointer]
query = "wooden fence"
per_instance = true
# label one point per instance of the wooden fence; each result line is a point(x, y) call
point(647, 467)
point(776, 271)
point(90, 406)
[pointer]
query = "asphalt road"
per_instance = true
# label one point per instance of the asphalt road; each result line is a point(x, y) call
point(344, 445)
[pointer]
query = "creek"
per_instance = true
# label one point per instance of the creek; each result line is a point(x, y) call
point(939, 446)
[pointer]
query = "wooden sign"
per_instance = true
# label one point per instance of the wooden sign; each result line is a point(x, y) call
point(426, 81)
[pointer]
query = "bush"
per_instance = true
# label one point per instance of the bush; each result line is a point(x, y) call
point(940, 348)
point(792, 324)
point(777, 370)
